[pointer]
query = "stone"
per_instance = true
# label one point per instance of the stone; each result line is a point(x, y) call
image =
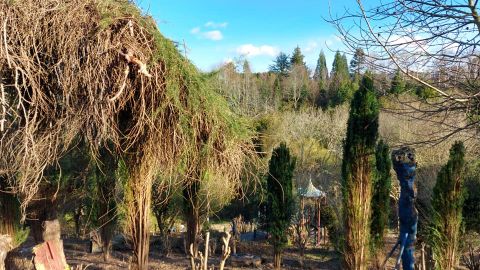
point(245, 261)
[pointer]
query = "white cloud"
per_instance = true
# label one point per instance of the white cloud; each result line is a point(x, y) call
point(211, 24)
point(252, 50)
point(213, 35)
point(195, 30)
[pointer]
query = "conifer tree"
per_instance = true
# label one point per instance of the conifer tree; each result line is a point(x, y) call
point(281, 65)
point(358, 172)
point(279, 199)
point(321, 78)
point(447, 201)
point(340, 88)
point(357, 64)
point(297, 57)
point(398, 84)
point(381, 195)
point(321, 70)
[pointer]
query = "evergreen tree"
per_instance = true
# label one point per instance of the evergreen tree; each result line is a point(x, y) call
point(471, 208)
point(357, 64)
point(340, 66)
point(297, 57)
point(279, 199)
point(321, 78)
point(358, 172)
point(340, 88)
point(321, 71)
point(398, 84)
point(281, 64)
point(447, 202)
point(381, 195)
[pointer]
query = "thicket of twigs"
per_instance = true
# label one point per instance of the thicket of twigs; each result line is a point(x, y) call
point(101, 72)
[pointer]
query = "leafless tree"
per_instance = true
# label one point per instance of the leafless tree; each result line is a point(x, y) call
point(433, 42)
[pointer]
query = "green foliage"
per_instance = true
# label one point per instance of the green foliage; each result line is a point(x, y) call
point(362, 126)
point(471, 208)
point(297, 57)
point(321, 71)
point(340, 88)
point(280, 195)
point(381, 195)
point(398, 84)
point(281, 65)
point(340, 66)
point(425, 92)
point(357, 64)
point(330, 220)
point(447, 202)
point(358, 169)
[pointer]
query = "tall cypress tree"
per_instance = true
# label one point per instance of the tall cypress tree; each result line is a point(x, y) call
point(381, 195)
point(279, 199)
point(321, 70)
point(447, 201)
point(358, 169)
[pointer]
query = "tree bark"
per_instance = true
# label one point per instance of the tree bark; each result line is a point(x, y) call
point(277, 258)
point(8, 220)
point(191, 201)
point(139, 203)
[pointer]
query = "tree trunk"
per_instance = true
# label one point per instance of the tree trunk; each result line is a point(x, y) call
point(277, 258)
point(8, 221)
point(138, 203)
point(191, 202)
point(76, 218)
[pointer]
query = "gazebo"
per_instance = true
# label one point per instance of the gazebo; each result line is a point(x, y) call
point(316, 195)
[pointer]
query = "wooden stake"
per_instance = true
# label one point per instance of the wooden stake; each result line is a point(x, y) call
point(207, 239)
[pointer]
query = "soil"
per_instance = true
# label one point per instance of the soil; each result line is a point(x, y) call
point(79, 257)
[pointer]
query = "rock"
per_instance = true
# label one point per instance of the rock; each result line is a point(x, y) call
point(245, 261)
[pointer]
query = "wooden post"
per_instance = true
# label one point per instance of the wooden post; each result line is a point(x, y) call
point(318, 222)
point(424, 265)
point(302, 207)
point(207, 239)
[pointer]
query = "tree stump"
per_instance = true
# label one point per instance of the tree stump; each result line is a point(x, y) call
point(6, 244)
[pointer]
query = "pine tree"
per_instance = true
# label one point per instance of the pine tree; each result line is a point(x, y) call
point(381, 195)
point(398, 84)
point(358, 169)
point(297, 57)
point(279, 199)
point(281, 64)
point(357, 64)
point(447, 202)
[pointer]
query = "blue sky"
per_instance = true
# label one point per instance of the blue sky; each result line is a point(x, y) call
point(216, 31)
